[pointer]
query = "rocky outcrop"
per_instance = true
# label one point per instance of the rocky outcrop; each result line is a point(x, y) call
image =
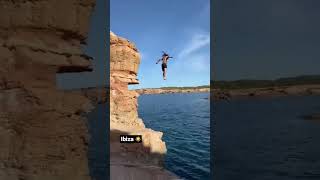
point(42, 132)
point(172, 90)
point(97, 95)
point(124, 63)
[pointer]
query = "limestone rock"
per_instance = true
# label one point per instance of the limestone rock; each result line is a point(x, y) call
point(43, 134)
point(124, 63)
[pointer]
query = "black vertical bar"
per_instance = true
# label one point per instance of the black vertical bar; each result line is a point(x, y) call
point(107, 77)
point(212, 76)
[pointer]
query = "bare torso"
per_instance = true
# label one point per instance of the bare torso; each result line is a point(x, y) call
point(165, 59)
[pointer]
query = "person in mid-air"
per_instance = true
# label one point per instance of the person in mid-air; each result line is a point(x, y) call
point(165, 58)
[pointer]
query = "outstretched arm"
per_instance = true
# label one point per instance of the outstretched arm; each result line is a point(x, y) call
point(158, 61)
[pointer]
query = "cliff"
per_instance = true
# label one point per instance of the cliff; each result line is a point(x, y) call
point(42, 132)
point(134, 161)
point(97, 95)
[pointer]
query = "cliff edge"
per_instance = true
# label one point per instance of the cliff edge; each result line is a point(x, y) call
point(43, 134)
point(141, 160)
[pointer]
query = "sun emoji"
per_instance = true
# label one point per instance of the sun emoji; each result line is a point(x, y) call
point(138, 139)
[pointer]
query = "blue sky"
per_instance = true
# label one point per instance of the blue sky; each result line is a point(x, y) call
point(255, 40)
point(181, 28)
point(266, 39)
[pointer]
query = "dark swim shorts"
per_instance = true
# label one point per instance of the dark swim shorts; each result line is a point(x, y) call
point(164, 66)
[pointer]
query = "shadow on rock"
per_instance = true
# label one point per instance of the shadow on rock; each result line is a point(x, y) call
point(135, 159)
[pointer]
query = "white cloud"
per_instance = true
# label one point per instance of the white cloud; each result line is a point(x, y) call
point(198, 41)
point(196, 63)
point(192, 58)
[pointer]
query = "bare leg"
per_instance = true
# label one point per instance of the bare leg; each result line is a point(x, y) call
point(164, 73)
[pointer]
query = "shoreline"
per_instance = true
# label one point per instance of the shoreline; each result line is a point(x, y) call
point(171, 91)
point(273, 91)
point(226, 94)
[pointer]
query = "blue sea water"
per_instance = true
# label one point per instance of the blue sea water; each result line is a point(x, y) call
point(255, 138)
point(267, 139)
point(184, 120)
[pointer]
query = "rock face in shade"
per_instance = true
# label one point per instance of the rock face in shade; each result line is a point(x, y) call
point(97, 95)
point(124, 63)
point(42, 133)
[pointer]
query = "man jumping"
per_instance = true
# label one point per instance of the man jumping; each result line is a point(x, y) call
point(165, 58)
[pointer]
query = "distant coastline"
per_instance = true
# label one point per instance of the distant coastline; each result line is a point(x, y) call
point(300, 85)
point(167, 90)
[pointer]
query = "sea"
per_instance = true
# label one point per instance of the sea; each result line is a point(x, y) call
point(184, 119)
point(267, 139)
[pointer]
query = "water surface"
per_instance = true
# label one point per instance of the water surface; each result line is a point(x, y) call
point(185, 121)
point(267, 139)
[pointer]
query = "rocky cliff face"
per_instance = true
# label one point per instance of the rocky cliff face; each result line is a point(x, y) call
point(124, 63)
point(42, 132)
point(97, 95)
